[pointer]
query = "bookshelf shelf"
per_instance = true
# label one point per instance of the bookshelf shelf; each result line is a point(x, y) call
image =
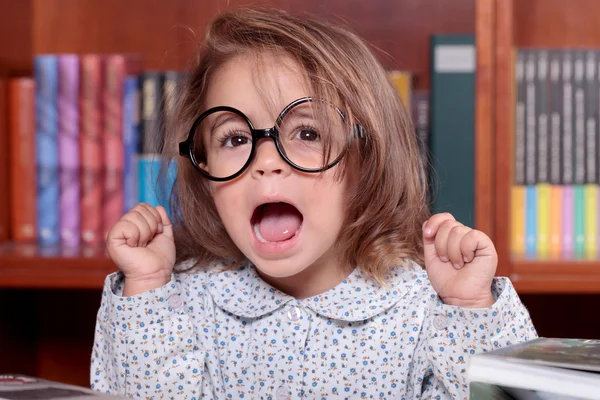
point(31, 266)
point(563, 283)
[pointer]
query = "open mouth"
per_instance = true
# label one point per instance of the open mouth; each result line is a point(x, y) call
point(276, 222)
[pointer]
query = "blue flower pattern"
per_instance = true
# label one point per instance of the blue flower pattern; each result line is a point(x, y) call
point(216, 334)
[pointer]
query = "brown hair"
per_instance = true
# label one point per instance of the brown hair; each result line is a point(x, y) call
point(386, 208)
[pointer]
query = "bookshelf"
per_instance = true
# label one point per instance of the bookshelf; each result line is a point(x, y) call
point(49, 299)
point(527, 23)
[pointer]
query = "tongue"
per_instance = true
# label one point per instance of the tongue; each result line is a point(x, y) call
point(279, 221)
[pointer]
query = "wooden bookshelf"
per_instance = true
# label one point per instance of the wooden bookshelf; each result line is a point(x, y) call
point(526, 23)
point(31, 266)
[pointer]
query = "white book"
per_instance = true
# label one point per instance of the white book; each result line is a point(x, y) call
point(23, 387)
point(543, 368)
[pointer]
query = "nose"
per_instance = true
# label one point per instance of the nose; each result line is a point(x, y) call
point(267, 160)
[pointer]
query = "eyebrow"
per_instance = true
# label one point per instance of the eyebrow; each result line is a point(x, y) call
point(224, 119)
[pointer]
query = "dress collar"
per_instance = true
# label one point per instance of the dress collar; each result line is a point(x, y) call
point(244, 293)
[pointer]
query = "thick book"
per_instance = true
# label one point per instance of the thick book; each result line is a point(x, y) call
point(68, 146)
point(543, 368)
point(17, 386)
point(4, 167)
point(117, 68)
point(452, 126)
point(91, 151)
point(47, 152)
point(23, 192)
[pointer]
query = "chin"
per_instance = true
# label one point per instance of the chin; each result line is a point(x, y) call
point(279, 268)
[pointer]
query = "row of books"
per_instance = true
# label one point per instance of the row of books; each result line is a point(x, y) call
point(554, 202)
point(83, 136)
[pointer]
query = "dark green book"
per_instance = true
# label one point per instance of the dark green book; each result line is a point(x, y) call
point(453, 126)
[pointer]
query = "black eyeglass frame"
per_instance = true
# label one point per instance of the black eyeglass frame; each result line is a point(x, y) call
point(185, 147)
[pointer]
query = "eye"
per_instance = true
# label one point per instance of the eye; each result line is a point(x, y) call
point(235, 141)
point(307, 134)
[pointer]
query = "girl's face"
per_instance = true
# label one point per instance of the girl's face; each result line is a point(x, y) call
point(285, 221)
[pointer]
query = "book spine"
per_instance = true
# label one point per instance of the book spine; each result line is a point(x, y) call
point(22, 150)
point(152, 110)
point(556, 198)
point(531, 201)
point(568, 225)
point(68, 135)
point(567, 119)
point(531, 224)
point(543, 166)
point(421, 117)
point(555, 123)
point(5, 203)
point(520, 120)
point(579, 113)
point(579, 221)
point(131, 133)
point(579, 152)
point(46, 76)
point(518, 220)
point(591, 149)
point(91, 148)
point(590, 221)
point(115, 70)
point(568, 177)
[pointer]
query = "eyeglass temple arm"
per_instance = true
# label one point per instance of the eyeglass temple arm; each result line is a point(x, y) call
point(184, 149)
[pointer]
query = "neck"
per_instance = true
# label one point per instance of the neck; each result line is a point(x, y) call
point(314, 280)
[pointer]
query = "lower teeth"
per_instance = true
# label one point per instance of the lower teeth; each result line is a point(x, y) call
point(258, 235)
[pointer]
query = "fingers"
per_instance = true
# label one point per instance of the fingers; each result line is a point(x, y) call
point(431, 226)
point(139, 225)
point(456, 239)
point(442, 237)
point(167, 227)
point(453, 242)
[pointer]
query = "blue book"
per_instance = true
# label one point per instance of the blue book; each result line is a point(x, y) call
point(131, 141)
point(47, 155)
point(154, 188)
point(531, 221)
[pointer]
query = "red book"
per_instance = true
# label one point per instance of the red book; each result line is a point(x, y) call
point(91, 150)
point(4, 206)
point(21, 103)
point(117, 68)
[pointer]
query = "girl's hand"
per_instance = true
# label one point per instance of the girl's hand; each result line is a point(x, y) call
point(141, 245)
point(460, 261)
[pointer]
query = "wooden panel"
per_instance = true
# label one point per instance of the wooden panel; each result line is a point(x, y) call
point(399, 30)
point(30, 266)
point(557, 23)
point(503, 131)
point(66, 334)
point(148, 27)
point(484, 121)
point(550, 283)
point(570, 316)
point(18, 333)
point(15, 37)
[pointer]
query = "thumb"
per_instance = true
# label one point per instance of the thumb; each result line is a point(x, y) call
point(166, 222)
point(428, 242)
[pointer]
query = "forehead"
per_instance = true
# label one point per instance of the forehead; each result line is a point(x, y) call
point(258, 85)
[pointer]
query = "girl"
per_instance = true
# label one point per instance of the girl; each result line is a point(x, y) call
point(299, 234)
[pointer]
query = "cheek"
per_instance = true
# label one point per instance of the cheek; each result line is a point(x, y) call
point(327, 199)
point(227, 198)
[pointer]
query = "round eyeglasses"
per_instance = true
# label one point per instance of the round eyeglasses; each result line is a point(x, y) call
point(311, 135)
